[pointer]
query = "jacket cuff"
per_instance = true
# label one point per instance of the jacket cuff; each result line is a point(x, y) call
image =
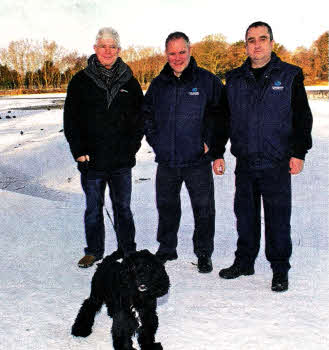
point(214, 155)
point(299, 155)
point(78, 153)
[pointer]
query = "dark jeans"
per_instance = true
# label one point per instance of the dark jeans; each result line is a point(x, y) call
point(200, 185)
point(274, 187)
point(94, 185)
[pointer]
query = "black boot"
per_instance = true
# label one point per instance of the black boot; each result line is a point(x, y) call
point(164, 257)
point(280, 282)
point(235, 271)
point(204, 264)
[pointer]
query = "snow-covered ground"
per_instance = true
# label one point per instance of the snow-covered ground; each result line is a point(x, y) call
point(319, 87)
point(41, 211)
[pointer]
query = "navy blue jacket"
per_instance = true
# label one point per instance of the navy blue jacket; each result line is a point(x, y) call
point(181, 114)
point(263, 127)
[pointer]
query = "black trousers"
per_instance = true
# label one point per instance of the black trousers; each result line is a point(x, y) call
point(273, 185)
point(200, 185)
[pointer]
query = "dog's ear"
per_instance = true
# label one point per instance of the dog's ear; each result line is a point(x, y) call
point(161, 283)
point(127, 262)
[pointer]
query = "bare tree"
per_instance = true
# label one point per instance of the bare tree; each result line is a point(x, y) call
point(13, 57)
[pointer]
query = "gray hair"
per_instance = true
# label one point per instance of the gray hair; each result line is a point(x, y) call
point(108, 33)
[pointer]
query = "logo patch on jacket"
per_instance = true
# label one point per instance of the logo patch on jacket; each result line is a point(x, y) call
point(277, 86)
point(194, 92)
point(123, 90)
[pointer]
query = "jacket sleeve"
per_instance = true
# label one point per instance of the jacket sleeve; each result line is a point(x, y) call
point(137, 121)
point(149, 115)
point(73, 128)
point(302, 119)
point(217, 121)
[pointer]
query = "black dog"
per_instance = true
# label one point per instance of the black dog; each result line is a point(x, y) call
point(129, 289)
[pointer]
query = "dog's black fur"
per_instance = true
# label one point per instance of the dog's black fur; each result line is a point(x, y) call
point(129, 289)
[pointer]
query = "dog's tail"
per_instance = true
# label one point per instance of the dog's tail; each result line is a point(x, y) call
point(83, 324)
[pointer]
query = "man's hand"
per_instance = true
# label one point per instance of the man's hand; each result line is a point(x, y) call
point(218, 166)
point(206, 148)
point(83, 158)
point(296, 166)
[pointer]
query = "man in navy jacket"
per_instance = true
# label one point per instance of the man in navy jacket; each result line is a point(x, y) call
point(186, 125)
point(270, 131)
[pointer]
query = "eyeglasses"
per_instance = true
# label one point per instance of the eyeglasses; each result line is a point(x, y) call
point(111, 47)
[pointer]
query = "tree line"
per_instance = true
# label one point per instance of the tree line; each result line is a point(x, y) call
point(28, 64)
point(33, 65)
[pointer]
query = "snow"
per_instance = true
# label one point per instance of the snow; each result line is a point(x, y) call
point(41, 215)
point(317, 88)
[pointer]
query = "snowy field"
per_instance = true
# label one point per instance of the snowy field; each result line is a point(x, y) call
point(41, 211)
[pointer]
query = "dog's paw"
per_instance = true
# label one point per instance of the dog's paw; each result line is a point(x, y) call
point(153, 346)
point(80, 332)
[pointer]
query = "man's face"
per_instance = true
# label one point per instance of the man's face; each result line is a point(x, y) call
point(259, 46)
point(107, 52)
point(178, 55)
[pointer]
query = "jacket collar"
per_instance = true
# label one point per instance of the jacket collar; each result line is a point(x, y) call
point(187, 75)
point(274, 63)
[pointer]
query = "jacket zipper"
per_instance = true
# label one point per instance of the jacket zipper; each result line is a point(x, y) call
point(175, 121)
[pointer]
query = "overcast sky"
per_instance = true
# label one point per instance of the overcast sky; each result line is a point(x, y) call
point(73, 24)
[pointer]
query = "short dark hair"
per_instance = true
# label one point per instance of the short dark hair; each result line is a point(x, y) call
point(260, 24)
point(178, 35)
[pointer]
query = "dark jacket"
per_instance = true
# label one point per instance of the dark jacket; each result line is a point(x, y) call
point(264, 129)
point(111, 137)
point(183, 114)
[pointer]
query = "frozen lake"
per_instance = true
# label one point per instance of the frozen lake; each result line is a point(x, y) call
point(41, 211)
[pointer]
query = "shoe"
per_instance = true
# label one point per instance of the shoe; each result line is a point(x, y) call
point(235, 271)
point(87, 261)
point(204, 264)
point(163, 257)
point(280, 282)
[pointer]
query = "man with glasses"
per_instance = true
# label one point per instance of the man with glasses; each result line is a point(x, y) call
point(104, 130)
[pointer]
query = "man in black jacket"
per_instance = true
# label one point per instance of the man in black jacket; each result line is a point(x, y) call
point(184, 115)
point(271, 126)
point(103, 128)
